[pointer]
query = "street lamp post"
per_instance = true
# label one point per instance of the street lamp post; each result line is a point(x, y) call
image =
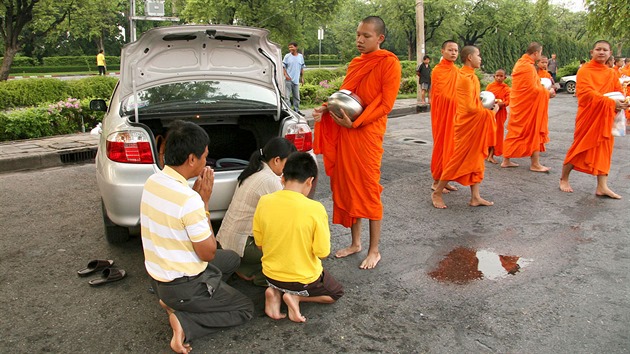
point(320, 37)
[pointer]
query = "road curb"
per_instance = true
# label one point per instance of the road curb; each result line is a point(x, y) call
point(30, 162)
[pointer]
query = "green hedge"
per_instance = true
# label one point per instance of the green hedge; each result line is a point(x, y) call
point(567, 70)
point(63, 117)
point(323, 57)
point(78, 60)
point(315, 62)
point(16, 71)
point(33, 92)
point(22, 61)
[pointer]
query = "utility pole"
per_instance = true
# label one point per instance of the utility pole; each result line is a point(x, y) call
point(320, 37)
point(154, 10)
point(420, 51)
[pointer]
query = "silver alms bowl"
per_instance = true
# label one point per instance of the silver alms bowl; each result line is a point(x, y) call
point(546, 83)
point(487, 99)
point(346, 100)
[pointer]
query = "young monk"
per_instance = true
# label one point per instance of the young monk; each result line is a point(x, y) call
point(501, 92)
point(542, 68)
point(618, 66)
point(353, 150)
point(443, 106)
point(529, 101)
point(626, 68)
point(593, 142)
point(472, 123)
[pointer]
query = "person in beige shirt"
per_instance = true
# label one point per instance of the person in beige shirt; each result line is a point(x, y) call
point(262, 176)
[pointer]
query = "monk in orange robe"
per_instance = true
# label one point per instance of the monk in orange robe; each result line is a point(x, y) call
point(470, 129)
point(352, 151)
point(626, 68)
point(501, 92)
point(541, 68)
point(618, 66)
point(527, 127)
point(443, 106)
point(593, 141)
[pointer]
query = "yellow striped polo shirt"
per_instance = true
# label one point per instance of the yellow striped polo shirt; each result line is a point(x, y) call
point(172, 217)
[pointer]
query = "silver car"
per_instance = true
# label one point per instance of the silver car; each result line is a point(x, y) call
point(227, 79)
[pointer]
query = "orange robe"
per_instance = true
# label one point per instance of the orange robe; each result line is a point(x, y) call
point(544, 74)
point(529, 102)
point(472, 123)
point(443, 107)
point(626, 70)
point(352, 157)
point(501, 91)
point(593, 141)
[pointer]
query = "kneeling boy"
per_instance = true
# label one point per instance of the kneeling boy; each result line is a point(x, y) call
point(293, 233)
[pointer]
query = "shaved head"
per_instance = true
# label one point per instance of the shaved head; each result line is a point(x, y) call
point(379, 24)
point(447, 42)
point(467, 51)
point(602, 41)
point(534, 47)
point(500, 71)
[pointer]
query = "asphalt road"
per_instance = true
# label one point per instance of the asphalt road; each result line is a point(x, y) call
point(570, 296)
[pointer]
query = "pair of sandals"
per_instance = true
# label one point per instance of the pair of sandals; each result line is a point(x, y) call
point(108, 273)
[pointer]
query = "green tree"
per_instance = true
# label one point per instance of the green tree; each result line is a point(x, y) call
point(17, 14)
point(610, 19)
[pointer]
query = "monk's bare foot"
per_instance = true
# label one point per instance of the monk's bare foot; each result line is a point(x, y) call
point(539, 168)
point(437, 200)
point(450, 187)
point(348, 251)
point(565, 186)
point(492, 160)
point(293, 304)
point(480, 202)
point(371, 260)
point(273, 299)
point(506, 164)
point(607, 193)
point(177, 342)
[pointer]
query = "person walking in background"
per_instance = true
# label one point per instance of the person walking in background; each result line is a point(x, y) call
point(552, 67)
point(293, 64)
point(501, 92)
point(100, 62)
point(353, 150)
point(424, 73)
point(527, 128)
point(593, 142)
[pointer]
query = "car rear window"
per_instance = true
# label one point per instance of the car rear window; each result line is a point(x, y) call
point(201, 95)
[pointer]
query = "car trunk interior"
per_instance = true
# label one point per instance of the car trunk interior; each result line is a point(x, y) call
point(233, 138)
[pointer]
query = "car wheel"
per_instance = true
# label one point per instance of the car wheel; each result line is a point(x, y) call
point(113, 233)
point(570, 87)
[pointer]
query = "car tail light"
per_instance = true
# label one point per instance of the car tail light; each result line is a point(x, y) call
point(129, 147)
point(300, 135)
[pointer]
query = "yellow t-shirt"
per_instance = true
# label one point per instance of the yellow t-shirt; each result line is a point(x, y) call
point(100, 59)
point(293, 232)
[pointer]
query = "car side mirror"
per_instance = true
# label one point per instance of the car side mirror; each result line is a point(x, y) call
point(98, 105)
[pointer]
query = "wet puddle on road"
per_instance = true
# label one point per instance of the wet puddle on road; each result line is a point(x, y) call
point(463, 265)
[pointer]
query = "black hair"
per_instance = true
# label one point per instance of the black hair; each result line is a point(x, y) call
point(300, 166)
point(276, 147)
point(293, 44)
point(379, 24)
point(426, 57)
point(447, 42)
point(184, 138)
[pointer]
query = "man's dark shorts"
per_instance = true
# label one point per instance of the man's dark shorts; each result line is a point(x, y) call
point(325, 285)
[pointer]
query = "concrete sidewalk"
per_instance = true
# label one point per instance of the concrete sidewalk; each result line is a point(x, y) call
point(59, 150)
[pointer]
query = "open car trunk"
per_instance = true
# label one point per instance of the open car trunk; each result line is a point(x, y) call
point(233, 138)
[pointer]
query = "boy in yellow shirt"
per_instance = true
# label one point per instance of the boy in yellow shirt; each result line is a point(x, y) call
point(292, 232)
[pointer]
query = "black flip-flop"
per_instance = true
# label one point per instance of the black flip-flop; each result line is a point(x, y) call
point(108, 275)
point(95, 266)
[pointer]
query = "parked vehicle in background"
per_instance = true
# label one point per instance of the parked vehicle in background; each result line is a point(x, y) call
point(568, 83)
point(227, 79)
